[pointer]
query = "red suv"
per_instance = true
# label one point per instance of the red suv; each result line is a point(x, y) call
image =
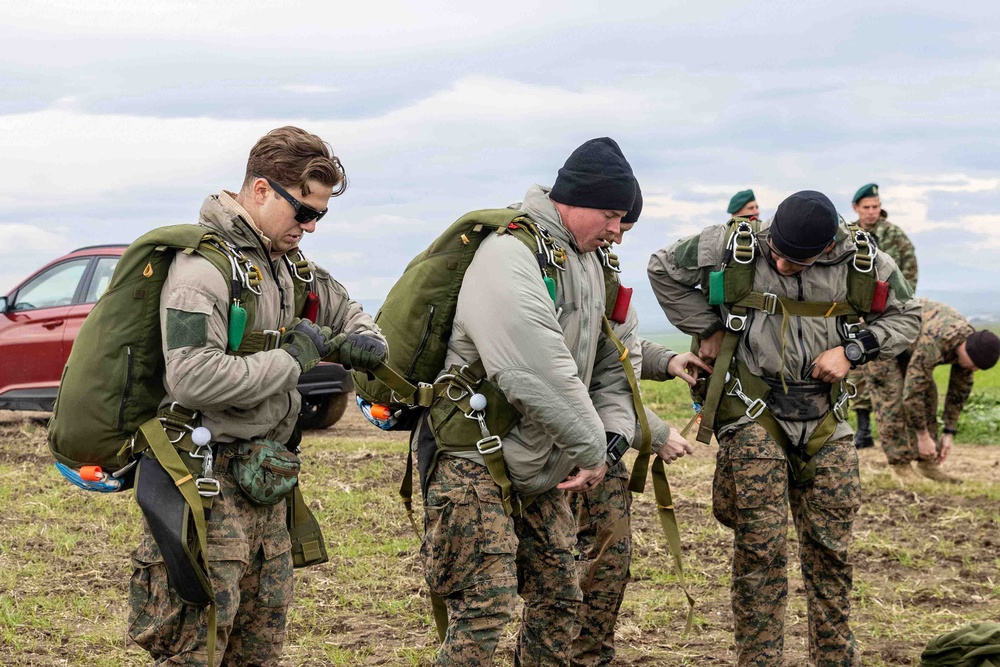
point(40, 318)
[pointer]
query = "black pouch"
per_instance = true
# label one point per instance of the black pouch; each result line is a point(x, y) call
point(172, 525)
point(427, 451)
point(803, 402)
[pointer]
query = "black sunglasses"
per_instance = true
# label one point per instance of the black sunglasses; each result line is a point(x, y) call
point(303, 213)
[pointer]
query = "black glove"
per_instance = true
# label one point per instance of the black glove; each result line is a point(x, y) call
point(307, 343)
point(361, 351)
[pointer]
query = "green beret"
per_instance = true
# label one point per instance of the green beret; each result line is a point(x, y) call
point(870, 190)
point(739, 200)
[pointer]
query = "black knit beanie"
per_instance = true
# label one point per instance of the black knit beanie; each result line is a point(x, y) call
point(983, 348)
point(804, 225)
point(636, 210)
point(596, 175)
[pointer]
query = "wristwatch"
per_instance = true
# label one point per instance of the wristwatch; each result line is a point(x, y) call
point(617, 446)
point(854, 352)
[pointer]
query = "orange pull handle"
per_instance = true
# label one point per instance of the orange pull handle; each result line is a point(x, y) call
point(381, 411)
point(91, 473)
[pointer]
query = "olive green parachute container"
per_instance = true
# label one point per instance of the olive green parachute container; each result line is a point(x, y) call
point(418, 312)
point(113, 381)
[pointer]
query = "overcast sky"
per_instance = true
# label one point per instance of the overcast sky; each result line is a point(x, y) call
point(116, 117)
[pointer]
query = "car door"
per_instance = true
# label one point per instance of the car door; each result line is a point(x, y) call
point(95, 284)
point(31, 342)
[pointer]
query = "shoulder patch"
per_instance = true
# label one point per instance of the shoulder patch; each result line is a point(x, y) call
point(900, 286)
point(686, 253)
point(185, 329)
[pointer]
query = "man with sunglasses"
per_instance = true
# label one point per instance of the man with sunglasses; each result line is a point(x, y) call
point(780, 419)
point(247, 394)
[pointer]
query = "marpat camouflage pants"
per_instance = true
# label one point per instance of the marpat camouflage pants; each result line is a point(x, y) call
point(751, 495)
point(859, 376)
point(250, 566)
point(477, 558)
point(604, 554)
point(898, 440)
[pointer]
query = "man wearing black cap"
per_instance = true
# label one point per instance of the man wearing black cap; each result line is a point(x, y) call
point(549, 356)
point(743, 205)
point(892, 240)
point(906, 397)
point(777, 306)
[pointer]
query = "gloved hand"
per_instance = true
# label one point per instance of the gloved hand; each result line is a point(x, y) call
point(361, 351)
point(307, 343)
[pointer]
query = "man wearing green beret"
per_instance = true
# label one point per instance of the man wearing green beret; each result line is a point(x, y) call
point(743, 205)
point(893, 241)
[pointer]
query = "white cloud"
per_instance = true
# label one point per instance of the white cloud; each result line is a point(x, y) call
point(309, 89)
point(19, 239)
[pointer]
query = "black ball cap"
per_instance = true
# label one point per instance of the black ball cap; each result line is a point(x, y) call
point(804, 225)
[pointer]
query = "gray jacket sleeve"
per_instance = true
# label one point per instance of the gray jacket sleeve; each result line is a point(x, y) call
point(675, 273)
point(655, 359)
point(505, 310)
point(199, 373)
point(337, 310)
point(610, 390)
point(899, 325)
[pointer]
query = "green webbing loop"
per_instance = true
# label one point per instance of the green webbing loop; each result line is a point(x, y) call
point(152, 431)
point(668, 521)
point(771, 303)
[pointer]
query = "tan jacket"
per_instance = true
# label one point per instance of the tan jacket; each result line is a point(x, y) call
point(253, 396)
point(676, 271)
point(550, 359)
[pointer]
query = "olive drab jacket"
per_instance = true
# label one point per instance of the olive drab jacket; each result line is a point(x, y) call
point(240, 397)
point(676, 272)
point(551, 360)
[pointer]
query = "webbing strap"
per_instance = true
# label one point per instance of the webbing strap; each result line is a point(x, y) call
point(408, 393)
point(772, 303)
point(717, 383)
point(258, 341)
point(637, 480)
point(668, 521)
point(152, 431)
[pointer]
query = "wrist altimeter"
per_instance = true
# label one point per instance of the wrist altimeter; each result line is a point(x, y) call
point(861, 349)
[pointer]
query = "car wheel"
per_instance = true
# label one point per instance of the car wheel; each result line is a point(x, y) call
point(319, 412)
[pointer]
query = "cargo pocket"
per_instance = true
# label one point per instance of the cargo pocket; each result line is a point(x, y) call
point(834, 497)
point(155, 616)
point(760, 477)
point(448, 545)
point(276, 580)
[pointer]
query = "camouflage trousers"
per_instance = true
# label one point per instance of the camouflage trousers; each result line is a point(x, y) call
point(859, 377)
point(477, 559)
point(250, 567)
point(604, 554)
point(751, 495)
point(898, 440)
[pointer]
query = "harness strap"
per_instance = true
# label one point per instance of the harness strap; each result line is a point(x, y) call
point(668, 521)
point(770, 303)
point(717, 382)
point(156, 439)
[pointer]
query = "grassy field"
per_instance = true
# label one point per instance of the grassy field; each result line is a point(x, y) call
point(927, 557)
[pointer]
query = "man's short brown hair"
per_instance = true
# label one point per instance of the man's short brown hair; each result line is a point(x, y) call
point(291, 157)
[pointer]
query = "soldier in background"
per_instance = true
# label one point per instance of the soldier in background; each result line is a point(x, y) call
point(893, 241)
point(743, 205)
point(906, 398)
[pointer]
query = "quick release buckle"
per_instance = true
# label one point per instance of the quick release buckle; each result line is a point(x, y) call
point(754, 406)
point(864, 243)
point(735, 322)
point(840, 407)
point(208, 487)
point(484, 450)
point(770, 303)
point(743, 253)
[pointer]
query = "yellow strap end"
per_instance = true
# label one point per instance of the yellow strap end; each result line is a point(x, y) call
point(184, 480)
point(834, 305)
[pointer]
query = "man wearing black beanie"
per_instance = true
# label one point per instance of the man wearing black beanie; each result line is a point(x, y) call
point(527, 328)
point(777, 307)
point(906, 397)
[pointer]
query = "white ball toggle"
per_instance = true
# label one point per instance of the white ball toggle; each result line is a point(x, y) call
point(201, 436)
point(477, 402)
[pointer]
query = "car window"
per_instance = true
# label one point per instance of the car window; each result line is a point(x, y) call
point(53, 287)
point(102, 276)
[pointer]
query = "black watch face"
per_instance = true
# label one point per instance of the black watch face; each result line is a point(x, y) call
point(853, 351)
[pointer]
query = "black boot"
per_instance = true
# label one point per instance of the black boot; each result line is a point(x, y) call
point(863, 436)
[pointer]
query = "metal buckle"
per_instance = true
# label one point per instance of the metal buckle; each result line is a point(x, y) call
point(294, 269)
point(852, 330)
point(770, 303)
point(271, 339)
point(173, 427)
point(735, 322)
point(604, 252)
point(755, 408)
point(208, 487)
point(495, 448)
point(863, 240)
point(744, 228)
